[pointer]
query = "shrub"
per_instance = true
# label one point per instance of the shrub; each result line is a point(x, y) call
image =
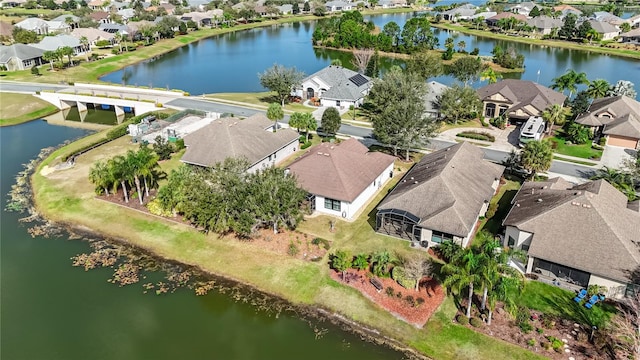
point(556, 343)
point(398, 274)
point(389, 291)
point(525, 327)
point(35, 71)
point(179, 144)
point(499, 122)
point(419, 301)
point(548, 322)
point(156, 208)
point(491, 211)
point(410, 300)
point(305, 145)
point(539, 330)
point(320, 241)
point(597, 147)
point(484, 136)
point(462, 320)
point(595, 289)
point(475, 322)
point(602, 141)
point(531, 342)
point(475, 51)
point(399, 295)
point(293, 250)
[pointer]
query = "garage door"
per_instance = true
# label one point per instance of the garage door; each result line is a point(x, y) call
point(622, 141)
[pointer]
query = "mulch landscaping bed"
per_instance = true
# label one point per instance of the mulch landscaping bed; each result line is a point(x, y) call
point(412, 312)
point(574, 337)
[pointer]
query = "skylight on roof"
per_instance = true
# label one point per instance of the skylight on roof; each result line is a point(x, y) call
point(358, 79)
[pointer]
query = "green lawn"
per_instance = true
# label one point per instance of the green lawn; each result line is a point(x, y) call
point(259, 99)
point(556, 301)
point(582, 151)
point(462, 124)
point(18, 108)
point(502, 198)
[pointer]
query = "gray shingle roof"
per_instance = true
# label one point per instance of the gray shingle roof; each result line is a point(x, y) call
point(233, 137)
point(52, 43)
point(621, 123)
point(341, 88)
point(522, 93)
point(64, 17)
point(446, 189)
point(545, 22)
point(339, 171)
point(587, 227)
point(603, 27)
point(20, 51)
point(434, 89)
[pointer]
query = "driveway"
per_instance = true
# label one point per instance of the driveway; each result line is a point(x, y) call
point(613, 156)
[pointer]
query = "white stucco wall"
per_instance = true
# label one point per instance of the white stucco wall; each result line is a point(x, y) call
point(280, 155)
point(616, 288)
point(521, 237)
point(343, 103)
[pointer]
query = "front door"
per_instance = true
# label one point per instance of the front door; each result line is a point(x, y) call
point(310, 93)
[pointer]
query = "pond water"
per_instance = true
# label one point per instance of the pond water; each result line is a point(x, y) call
point(231, 62)
point(51, 310)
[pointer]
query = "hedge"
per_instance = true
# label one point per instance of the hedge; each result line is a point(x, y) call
point(477, 136)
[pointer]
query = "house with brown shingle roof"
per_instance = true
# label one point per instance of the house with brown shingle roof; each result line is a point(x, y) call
point(617, 118)
point(579, 234)
point(252, 138)
point(441, 197)
point(518, 99)
point(341, 178)
point(493, 21)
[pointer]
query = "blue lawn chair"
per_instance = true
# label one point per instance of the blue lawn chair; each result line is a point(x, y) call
point(580, 296)
point(594, 299)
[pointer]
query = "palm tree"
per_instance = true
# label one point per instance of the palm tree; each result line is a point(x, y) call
point(536, 156)
point(598, 88)
point(122, 172)
point(621, 180)
point(462, 271)
point(592, 34)
point(296, 120)
point(555, 114)
point(509, 285)
point(490, 75)
point(569, 81)
point(381, 262)
point(100, 176)
point(50, 56)
point(85, 44)
point(148, 162)
point(67, 51)
point(309, 124)
point(275, 113)
point(461, 45)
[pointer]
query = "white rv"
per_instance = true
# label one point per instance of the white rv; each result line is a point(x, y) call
point(531, 130)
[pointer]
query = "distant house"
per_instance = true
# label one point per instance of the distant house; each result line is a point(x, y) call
point(544, 24)
point(92, 35)
point(342, 178)
point(493, 21)
point(441, 197)
point(483, 15)
point(567, 9)
point(523, 8)
point(518, 99)
point(202, 18)
point(53, 43)
point(39, 26)
point(617, 118)
point(462, 12)
point(607, 17)
point(333, 6)
point(12, 3)
point(114, 28)
point(605, 29)
point(336, 86)
point(252, 138)
point(126, 14)
point(101, 17)
point(434, 90)
point(285, 9)
point(632, 36)
point(20, 56)
point(582, 235)
point(97, 5)
point(634, 21)
point(69, 19)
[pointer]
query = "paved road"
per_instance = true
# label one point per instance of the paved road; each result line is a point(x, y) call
point(558, 167)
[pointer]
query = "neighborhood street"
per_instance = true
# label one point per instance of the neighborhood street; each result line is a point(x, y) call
point(557, 167)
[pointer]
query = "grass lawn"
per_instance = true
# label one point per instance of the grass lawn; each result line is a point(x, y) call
point(67, 196)
point(502, 198)
point(587, 163)
point(462, 124)
point(18, 108)
point(556, 301)
point(582, 151)
point(259, 99)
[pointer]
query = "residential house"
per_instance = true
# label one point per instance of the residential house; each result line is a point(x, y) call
point(441, 197)
point(544, 25)
point(12, 3)
point(337, 5)
point(341, 178)
point(59, 27)
point(53, 43)
point(92, 35)
point(518, 99)
point(493, 21)
point(607, 17)
point(126, 14)
point(97, 5)
point(336, 86)
point(285, 9)
point(632, 36)
point(20, 56)
point(483, 15)
point(199, 5)
point(203, 18)
point(634, 21)
point(72, 20)
point(578, 234)
point(6, 30)
point(523, 8)
point(101, 17)
point(617, 118)
point(434, 90)
point(462, 12)
point(114, 28)
point(605, 29)
point(252, 138)
point(39, 26)
point(567, 9)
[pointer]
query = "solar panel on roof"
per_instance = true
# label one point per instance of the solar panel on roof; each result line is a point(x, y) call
point(358, 79)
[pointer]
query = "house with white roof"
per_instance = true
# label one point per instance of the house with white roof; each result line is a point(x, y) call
point(68, 19)
point(462, 12)
point(336, 86)
point(606, 30)
point(20, 56)
point(333, 6)
point(523, 8)
point(39, 26)
point(53, 43)
point(92, 35)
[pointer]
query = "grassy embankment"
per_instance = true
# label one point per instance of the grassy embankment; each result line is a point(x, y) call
point(68, 197)
point(18, 108)
point(539, 42)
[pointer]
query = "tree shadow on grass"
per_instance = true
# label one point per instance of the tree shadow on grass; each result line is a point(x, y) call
point(494, 224)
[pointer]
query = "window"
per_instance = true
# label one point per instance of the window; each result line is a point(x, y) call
point(332, 204)
point(438, 237)
point(490, 110)
point(524, 247)
point(511, 242)
point(337, 103)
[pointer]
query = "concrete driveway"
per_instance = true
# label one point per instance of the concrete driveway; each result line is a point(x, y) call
point(613, 156)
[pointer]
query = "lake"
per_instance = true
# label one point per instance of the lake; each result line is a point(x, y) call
point(231, 62)
point(51, 310)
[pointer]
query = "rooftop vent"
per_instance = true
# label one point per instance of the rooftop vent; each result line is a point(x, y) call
point(325, 154)
point(415, 182)
point(539, 200)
